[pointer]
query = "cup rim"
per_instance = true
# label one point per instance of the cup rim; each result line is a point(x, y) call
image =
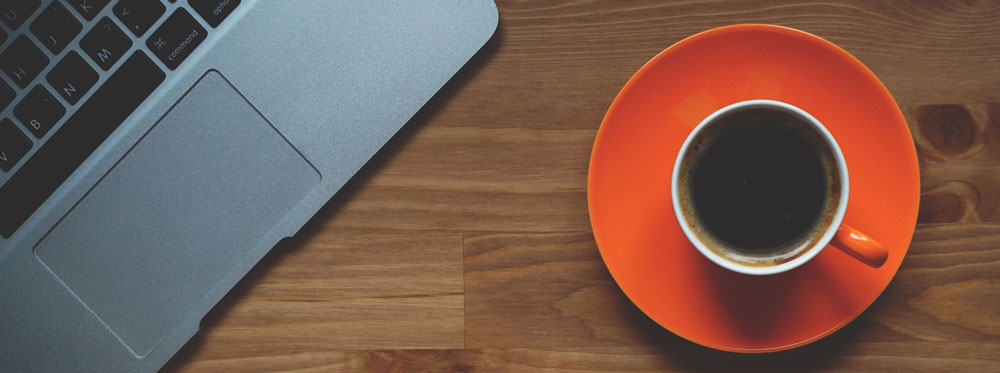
point(827, 235)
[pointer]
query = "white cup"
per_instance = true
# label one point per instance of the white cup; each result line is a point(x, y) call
point(842, 236)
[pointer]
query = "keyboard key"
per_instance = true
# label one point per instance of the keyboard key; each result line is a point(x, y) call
point(14, 12)
point(55, 27)
point(214, 11)
point(88, 8)
point(176, 38)
point(83, 132)
point(3, 36)
point(22, 61)
point(6, 95)
point(39, 111)
point(139, 15)
point(72, 77)
point(13, 144)
point(105, 43)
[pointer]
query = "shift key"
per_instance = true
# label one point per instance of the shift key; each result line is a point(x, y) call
point(176, 38)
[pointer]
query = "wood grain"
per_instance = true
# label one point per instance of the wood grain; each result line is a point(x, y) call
point(345, 292)
point(465, 244)
point(545, 290)
point(959, 148)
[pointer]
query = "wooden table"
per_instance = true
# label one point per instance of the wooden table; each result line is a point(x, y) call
point(465, 244)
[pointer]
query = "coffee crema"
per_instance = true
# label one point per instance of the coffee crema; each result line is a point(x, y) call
point(759, 186)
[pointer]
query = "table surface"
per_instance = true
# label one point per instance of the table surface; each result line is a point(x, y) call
point(465, 243)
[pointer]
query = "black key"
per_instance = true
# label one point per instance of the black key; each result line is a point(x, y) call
point(139, 15)
point(105, 43)
point(3, 36)
point(176, 38)
point(72, 77)
point(55, 27)
point(39, 111)
point(88, 8)
point(83, 132)
point(6, 95)
point(22, 61)
point(214, 11)
point(13, 144)
point(14, 12)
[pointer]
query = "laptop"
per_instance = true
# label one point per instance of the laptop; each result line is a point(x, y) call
point(152, 151)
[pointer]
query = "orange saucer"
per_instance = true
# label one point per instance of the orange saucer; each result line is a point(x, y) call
point(629, 187)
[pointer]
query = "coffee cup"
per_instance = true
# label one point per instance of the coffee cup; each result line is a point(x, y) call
point(761, 187)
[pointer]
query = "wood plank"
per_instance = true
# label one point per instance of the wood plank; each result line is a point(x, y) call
point(326, 292)
point(551, 289)
point(546, 289)
point(558, 64)
point(447, 179)
point(901, 356)
point(947, 288)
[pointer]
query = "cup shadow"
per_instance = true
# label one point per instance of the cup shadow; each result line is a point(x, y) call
point(221, 310)
point(757, 306)
point(688, 356)
point(735, 291)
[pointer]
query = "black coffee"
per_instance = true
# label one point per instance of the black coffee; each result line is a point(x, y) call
point(759, 182)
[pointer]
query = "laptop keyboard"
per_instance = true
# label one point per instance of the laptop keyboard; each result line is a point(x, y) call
point(53, 54)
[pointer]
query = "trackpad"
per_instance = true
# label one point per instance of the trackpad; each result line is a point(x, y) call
point(191, 199)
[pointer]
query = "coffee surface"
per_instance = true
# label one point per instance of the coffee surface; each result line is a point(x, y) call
point(759, 183)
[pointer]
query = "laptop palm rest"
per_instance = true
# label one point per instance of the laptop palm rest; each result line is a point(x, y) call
point(190, 200)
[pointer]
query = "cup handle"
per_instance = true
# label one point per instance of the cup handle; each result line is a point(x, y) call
point(860, 246)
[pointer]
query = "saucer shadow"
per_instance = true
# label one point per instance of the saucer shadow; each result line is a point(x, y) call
point(219, 312)
point(752, 303)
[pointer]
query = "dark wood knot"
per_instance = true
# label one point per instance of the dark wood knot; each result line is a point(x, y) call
point(949, 129)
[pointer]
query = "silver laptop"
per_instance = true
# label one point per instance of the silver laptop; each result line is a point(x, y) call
point(152, 151)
